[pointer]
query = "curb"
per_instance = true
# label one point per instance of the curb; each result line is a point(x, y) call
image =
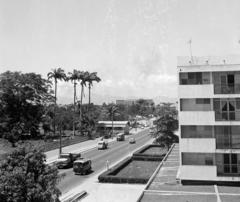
point(76, 197)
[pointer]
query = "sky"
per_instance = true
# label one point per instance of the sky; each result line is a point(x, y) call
point(132, 44)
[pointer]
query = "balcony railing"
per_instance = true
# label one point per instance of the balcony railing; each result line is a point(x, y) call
point(226, 88)
point(227, 116)
point(230, 170)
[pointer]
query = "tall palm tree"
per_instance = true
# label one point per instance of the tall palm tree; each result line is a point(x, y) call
point(112, 111)
point(91, 77)
point(73, 77)
point(82, 78)
point(56, 74)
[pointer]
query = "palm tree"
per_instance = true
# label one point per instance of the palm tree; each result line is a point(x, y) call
point(112, 111)
point(91, 77)
point(82, 78)
point(56, 74)
point(73, 76)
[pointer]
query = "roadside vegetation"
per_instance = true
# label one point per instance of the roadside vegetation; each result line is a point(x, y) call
point(24, 177)
point(166, 125)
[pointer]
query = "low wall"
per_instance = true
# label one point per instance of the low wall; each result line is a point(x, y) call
point(139, 154)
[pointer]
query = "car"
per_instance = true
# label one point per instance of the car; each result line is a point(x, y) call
point(132, 140)
point(82, 166)
point(102, 144)
point(65, 160)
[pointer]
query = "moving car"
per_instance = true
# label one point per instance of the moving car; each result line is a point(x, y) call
point(132, 140)
point(65, 160)
point(102, 144)
point(82, 166)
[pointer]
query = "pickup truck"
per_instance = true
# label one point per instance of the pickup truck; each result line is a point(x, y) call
point(65, 160)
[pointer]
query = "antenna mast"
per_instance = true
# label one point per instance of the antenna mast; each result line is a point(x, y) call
point(190, 48)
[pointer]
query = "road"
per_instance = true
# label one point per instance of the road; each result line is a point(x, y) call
point(115, 152)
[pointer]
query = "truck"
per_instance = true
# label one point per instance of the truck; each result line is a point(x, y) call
point(120, 137)
point(65, 160)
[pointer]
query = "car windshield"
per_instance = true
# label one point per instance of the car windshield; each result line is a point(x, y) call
point(79, 164)
point(64, 156)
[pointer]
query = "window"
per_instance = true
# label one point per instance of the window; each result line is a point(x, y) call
point(197, 158)
point(194, 78)
point(196, 132)
point(202, 101)
point(227, 137)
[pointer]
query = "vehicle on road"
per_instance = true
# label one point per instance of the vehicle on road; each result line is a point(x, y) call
point(120, 137)
point(102, 144)
point(152, 130)
point(82, 166)
point(65, 160)
point(132, 140)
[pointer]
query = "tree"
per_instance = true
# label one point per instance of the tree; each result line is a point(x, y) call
point(56, 74)
point(112, 111)
point(82, 78)
point(25, 177)
point(91, 77)
point(166, 125)
point(73, 76)
point(22, 101)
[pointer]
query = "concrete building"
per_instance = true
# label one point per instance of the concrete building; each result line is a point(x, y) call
point(209, 120)
point(126, 102)
point(104, 127)
point(129, 102)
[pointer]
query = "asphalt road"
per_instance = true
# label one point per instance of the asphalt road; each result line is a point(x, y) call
point(115, 152)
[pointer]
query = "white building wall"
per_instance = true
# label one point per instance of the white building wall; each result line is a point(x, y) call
point(196, 91)
point(199, 145)
point(202, 173)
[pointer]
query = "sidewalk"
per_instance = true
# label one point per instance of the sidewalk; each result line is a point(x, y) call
point(80, 147)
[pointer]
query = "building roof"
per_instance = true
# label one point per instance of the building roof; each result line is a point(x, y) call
point(115, 123)
point(208, 60)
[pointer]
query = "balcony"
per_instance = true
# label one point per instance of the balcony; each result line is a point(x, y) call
point(226, 88)
point(196, 91)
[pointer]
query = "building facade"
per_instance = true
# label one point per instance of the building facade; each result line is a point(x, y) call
point(130, 102)
point(209, 120)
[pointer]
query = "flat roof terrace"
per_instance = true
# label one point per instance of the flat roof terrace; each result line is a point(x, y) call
point(166, 188)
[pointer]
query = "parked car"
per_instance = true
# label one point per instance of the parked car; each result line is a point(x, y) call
point(132, 140)
point(65, 160)
point(82, 166)
point(120, 137)
point(102, 144)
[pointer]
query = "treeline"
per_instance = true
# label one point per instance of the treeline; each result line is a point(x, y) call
point(28, 100)
point(29, 108)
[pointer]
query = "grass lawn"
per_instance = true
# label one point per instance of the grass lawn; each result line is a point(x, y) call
point(136, 169)
point(155, 151)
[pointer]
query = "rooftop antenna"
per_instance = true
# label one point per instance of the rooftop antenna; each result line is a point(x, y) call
point(190, 49)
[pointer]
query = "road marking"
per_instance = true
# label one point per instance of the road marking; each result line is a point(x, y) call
point(217, 193)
